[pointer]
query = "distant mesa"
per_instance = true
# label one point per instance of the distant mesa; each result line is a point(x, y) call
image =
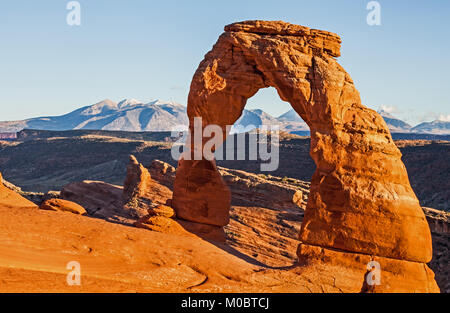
point(8, 136)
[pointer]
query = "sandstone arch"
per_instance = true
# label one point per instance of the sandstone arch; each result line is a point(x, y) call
point(361, 200)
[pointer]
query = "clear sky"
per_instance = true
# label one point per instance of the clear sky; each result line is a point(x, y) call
point(148, 49)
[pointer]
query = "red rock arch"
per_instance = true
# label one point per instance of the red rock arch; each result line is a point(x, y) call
point(361, 200)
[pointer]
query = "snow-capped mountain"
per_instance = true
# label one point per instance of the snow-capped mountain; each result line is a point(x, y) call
point(127, 115)
point(395, 125)
point(436, 127)
point(290, 116)
point(251, 119)
point(135, 115)
point(292, 122)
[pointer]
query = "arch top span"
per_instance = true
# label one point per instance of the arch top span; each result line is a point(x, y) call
point(323, 41)
point(252, 55)
point(360, 200)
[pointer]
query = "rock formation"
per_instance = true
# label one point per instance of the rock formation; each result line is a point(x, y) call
point(361, 201)
point(247, 189)
point(100, 199)
point(162, 172)
point(137, 180)
point(254, 197)
point(159, 218)
point(140, 192)
point(63, 206)
point(439, 221)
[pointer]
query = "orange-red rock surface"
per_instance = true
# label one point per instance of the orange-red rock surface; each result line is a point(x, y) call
point(100, 199)
point(140, 192)
point(261, 242)
point(63, 206)
point(9, 198)
point(361, 200)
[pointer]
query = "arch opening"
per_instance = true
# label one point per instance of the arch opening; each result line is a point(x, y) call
point(264, 201)
point(258, 112)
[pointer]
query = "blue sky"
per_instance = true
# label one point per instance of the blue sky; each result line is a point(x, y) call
point(150, 49)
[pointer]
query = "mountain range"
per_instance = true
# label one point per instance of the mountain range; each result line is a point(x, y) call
point(134, 115)
point(396, 125)
point(127, 115)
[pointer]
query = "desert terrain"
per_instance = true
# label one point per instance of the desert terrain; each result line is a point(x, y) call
point(47, 160)
point(261, 240)
point(349, 209)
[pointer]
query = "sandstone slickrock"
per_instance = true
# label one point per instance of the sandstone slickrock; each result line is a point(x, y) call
point(162, 218)
point(158, 218)
point(8, 185)
point(266, 228)
point(160, 224)
point(140, 192)
point(137, 180)
point(360, 201)
point(62, 206)
point(11, 198)
point(348, 271)
point(162, 210)
point(35, 197)
point(100, 199)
